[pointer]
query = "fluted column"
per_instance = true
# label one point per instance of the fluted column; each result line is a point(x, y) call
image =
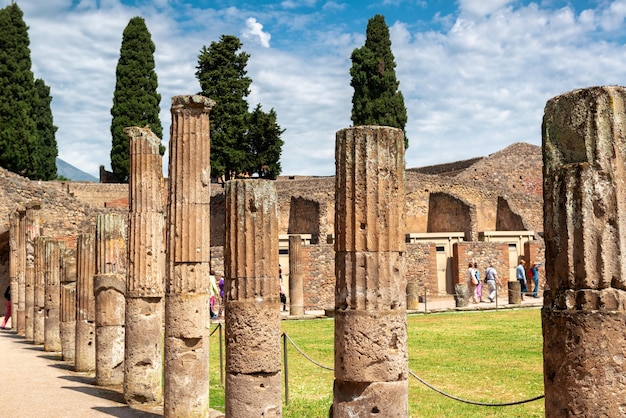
point(296, 283)
point(109, 290)
point(146, 276)
point(85, 350)
point(187, 318)
point(51, 333)
point(14, 260)
point(67, 324)
point(20, 302)
point(584, 312)
point(252, 315)
point(371, 362)
point(32, 231)
point(39, 290)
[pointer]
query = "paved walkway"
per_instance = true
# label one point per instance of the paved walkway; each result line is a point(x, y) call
point(41, 385)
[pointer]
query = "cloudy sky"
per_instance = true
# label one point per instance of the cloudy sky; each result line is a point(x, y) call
point(475, 74)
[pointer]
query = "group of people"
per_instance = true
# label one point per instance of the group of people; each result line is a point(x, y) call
point(216, 289)
point(475, 284)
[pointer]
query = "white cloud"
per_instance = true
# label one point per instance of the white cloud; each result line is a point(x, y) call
point(481, 8)
point(254, 30)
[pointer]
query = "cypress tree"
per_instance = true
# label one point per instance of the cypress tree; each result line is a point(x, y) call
point(221, 72)
point(47, 150)
point(135, 100)
point(18, 131)
point(265, 143)
point(376, 99)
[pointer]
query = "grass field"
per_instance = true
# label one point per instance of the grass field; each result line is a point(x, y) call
point(483, 356)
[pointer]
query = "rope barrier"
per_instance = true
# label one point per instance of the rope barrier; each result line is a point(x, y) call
point(305, 355)
point(218, 326)
point(441, 392)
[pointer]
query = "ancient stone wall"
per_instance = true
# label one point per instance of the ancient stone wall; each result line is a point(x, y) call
point(421, 266)
point(482, 253)
point(318, 271)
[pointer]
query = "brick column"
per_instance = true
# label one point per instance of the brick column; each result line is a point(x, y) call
point(252, 297)
point(14, 259)
point(32, 231)
point(584, 312)
point(146, 277)
point(187, 318)
point(296, 284)
point(39, 297)
point(52, 291)
point(371, 362)
point(109, 290)
point(67, 325)
point(85, 350)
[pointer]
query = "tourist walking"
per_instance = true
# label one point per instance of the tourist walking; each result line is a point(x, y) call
point(213, 291)
point(471, 282)
point(535, 277)
point(7, 316)
point(479, 284)
point(493, 281)
point(520, 275)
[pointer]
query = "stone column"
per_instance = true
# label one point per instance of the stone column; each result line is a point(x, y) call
point(146, 276)
point(252, 297)
point(39, 297)
point(584, 312)
point(19, 303)
point(52, 290)
point(32, 231)
point(187, 318)
point(14, 259)
point(296, 283)
point(85, 350)
point(371, 361)
point(67, 325)
point(109, 291)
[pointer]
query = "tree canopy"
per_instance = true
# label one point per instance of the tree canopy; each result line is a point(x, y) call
point(376, 99)
point(27, 134)
point(135, 100)
point(243, 143)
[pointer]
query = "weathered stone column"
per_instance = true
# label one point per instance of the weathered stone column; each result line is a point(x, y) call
point(39, 308)
point(32, 231)
point(67, 326)
point(371, 361)
point(146, 273)
point(19, 303)
point(252, 298)
point(109, 290)
point(296, 283)
point(51, 334)
point(584, 312)
point(85, 351)
point(187, 317)
point(14, 260)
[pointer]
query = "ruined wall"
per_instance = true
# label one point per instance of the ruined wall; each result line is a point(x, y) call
point(318, 272)
point(506, 219)
point(447, 213)
point(482, 253)
point(421, 266)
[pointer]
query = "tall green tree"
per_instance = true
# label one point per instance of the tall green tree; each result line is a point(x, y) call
point(376, 99)
point(47, 150)
point(222, 74)
point(265, 143)
point(20, 143)
point(135, 100)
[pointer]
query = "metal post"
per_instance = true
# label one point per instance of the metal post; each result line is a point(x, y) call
point(286, 369)
point(221, 354)
point(425, 303)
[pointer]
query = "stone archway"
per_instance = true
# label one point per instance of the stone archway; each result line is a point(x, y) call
point(447, 213)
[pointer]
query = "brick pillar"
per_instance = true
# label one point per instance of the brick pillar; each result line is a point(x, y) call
point(109, 290)
point(52, 291)
point(296, 284)
point(371, 362)
point(187, 317)
point(14, 259)
point(32, 231)
point(584, 312)
point(252, 296)
point(67, 326)
point(19, 303)
point(85, 350)
point(145, 282)
point(39, 297)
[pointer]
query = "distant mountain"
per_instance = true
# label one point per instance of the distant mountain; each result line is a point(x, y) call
point(69, 171)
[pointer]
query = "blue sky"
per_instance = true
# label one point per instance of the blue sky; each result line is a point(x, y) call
point(475, 74)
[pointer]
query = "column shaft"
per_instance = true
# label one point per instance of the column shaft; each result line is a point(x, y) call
point(85, 350)
point(67, 324)
point(39, 290)
point(32, 231)
point(52, 292)
point(296, 282)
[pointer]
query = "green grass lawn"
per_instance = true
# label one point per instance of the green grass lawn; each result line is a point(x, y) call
point(483, 356)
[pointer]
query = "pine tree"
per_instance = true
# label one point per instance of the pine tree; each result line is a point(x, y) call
point(47, 150)
point(265, 143)
point(376, 99)
point(222, 73)
point(18, 130)
point(135, 100)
